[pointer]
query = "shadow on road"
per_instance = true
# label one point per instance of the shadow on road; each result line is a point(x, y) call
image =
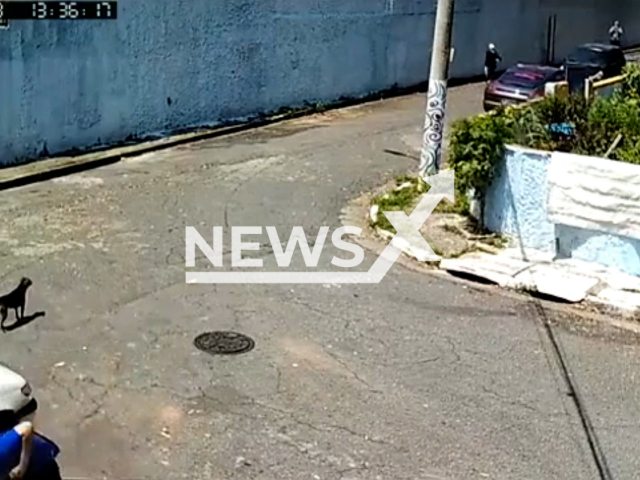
point(24, 321)
point(401, 154)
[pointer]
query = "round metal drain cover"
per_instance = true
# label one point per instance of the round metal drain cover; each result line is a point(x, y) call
point(224, 343)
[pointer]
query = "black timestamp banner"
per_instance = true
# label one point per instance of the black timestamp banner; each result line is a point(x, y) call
point(58, 10)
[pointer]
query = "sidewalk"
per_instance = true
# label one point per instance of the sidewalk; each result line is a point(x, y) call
point(417, 377)
point(566, 280)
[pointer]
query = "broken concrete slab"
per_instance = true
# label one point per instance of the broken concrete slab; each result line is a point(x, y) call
point(629, 301)
point(557, 282)
point(551, 280)
point(493, 268)
point(522, 269)
point(373, 213)
point(609, 276)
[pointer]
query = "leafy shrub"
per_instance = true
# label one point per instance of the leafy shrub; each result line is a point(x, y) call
point(477, 144)
point(607, 119)
point(630, 88)
point(527, 128)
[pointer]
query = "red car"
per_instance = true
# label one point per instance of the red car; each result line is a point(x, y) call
point(520, 84)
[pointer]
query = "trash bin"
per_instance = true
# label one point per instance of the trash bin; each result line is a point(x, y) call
point(577, 74)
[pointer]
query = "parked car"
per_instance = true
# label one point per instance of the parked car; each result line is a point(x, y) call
point(591, 58)
point(16, 397)
point(519, 84)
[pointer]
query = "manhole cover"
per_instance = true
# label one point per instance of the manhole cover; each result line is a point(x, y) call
point(224, 343)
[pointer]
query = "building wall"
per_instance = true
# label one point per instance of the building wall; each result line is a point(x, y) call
point(166, 65)
point(582, 21)
point(516, 202)
point(518, 205)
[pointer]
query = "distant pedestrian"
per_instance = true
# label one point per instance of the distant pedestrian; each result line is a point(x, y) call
point(615, 33)
point(491, 60)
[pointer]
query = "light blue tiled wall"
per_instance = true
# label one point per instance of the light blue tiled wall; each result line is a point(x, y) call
point(622, 253)
point(516, 205)
point(516, 201)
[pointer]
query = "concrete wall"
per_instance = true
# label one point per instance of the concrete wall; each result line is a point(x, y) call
point(172, 64)
point(517, 204)
point(582, 21)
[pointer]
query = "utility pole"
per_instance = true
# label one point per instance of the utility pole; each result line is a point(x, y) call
point(433, 134)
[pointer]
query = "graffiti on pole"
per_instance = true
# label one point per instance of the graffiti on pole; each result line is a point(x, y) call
point(430, 156)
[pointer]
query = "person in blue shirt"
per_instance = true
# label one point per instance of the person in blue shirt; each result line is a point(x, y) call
point(15, 451)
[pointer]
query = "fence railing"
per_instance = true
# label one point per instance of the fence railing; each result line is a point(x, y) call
point(603, 88)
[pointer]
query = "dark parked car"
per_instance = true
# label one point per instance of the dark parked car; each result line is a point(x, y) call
point(520, 84)
point(589, 59)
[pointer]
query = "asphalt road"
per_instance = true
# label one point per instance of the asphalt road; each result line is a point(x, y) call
point(415, 378)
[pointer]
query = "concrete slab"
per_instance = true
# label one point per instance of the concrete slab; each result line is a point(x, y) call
point(493, 268)
point(557, 282)
point(609, 276)
point(569, 280)
point(629, 301)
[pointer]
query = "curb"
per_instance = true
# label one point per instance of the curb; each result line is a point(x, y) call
point(356, 213)
point(46, 169)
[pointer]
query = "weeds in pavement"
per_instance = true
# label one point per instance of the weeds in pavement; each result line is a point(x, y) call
point(453, 223)
point(405, 195)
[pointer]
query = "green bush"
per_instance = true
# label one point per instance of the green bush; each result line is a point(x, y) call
point(606, 120)
point(477, 144)
point(630, 89)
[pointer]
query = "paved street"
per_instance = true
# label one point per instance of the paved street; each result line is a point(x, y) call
point(418, 377)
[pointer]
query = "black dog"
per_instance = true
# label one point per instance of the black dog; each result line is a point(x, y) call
point(14, 300)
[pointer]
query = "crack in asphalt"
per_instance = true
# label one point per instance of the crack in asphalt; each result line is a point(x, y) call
point(519, 403)
point(285, 414)
point(278, 379)
point(454, 349)
point(388, 348)
point(326, 427)
point(342, 473)
point(97, 403)
point(354, 374)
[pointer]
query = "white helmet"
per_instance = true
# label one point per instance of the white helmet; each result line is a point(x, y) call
point(492, 46)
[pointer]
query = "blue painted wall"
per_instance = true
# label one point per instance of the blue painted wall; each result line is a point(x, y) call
point(516, 202)
point(622, 253)
point(81, 84)
point(516, 205)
